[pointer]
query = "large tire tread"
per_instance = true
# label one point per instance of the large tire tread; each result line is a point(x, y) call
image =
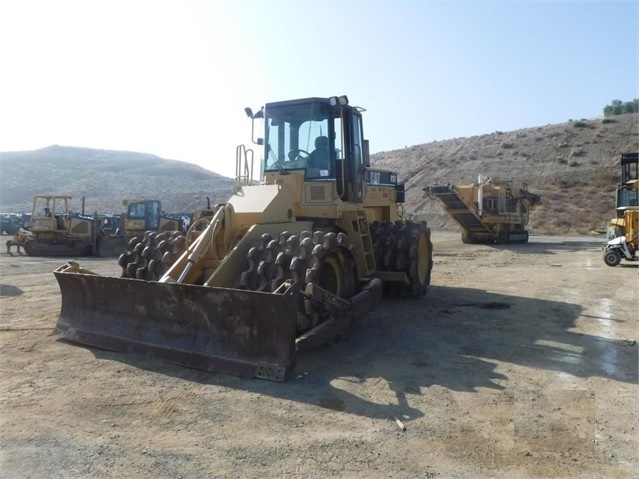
point(404, 246)
point(326, 259)
point(149, 256)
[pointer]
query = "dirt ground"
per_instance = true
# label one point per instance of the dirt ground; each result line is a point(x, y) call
point(521, 361)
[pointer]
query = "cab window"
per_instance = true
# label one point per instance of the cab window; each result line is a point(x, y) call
point(293, 134)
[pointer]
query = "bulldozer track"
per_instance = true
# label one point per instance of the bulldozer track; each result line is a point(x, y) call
point(79, 247)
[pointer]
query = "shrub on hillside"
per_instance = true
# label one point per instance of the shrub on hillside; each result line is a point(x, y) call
point(606, 179)
point(617, 107)
point(577, 152)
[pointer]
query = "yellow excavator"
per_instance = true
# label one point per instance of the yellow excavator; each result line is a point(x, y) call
point(286, 264)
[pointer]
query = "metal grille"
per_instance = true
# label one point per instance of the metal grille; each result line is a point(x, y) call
point(316, 193)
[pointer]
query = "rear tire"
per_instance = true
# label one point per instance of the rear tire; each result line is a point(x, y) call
point(612, 258)
point(404, 246)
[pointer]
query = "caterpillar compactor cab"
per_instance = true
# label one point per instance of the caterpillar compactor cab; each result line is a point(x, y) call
point(287, 263)
point(141, 216)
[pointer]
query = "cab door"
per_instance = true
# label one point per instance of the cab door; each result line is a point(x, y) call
point(350, 157)
point(357, 158)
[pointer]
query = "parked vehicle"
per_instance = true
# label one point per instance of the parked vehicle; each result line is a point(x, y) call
point(57, 231)
point(286, 264)
point(624, 247)
point(487, 211)
point(10, 223)
point(626, 196)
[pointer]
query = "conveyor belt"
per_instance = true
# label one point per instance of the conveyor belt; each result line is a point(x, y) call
point(458, 210)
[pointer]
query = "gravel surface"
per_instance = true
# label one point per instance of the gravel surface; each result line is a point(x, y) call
point(521, 361)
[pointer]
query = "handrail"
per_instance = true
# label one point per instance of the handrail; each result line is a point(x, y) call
point(244, 159)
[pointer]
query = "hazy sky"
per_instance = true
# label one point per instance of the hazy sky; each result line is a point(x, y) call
point(172, 78)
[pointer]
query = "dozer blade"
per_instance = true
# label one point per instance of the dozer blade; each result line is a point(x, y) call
point(243, 333)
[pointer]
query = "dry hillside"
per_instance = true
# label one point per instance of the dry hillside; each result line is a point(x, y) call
point(573, 165)
point(105, 178)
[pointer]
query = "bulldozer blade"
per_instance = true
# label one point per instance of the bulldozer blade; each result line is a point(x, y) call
point(231, 331)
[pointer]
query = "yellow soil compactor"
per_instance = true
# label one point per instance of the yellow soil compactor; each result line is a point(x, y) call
point(282, 266)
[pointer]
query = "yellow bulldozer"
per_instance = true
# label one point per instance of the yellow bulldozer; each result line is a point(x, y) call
point(286, 264)
point(487, 211)
point(54, 230)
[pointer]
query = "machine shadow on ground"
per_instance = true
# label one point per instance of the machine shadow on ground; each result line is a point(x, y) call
point(454, 338)
point(551, 248)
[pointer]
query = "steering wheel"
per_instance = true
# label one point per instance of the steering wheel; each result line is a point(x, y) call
point(298, 154)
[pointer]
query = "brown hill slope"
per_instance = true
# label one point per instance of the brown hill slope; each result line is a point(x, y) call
point(105, 178)
point(573, 165)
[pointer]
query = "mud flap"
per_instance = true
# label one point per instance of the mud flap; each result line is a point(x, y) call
point(244, 333)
